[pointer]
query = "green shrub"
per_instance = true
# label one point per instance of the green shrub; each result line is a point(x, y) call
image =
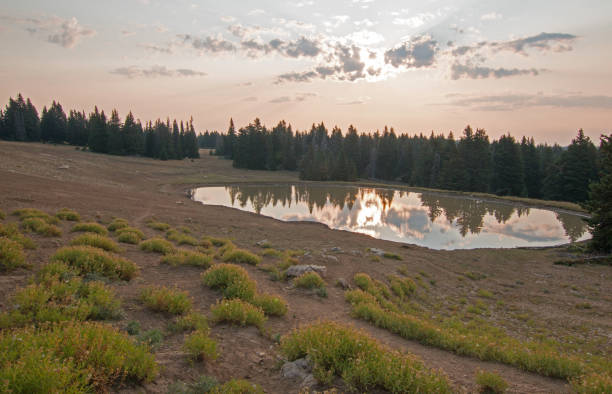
point(128, 237)
point(28, 213)
point(200, 347)
point(11, 231)
point(232, 280)
point(71, 357)
point(89, 260)
point(96, 241)
point(237, 386)
point(205, 384)
point(485, 293)
point(402, 287)
point(474, 275)
point(491, 383)
point(133, 327)
point(271, 305)
point(11, 255)
point(117, 224)
point(205, 244)
point(54, 300)
point(157, 245)
point(237, 311)
point(151, 338)
point(40, 226)
point(187, 257)
point(190, 322)
point(270, 252)
point(594, 383)
point(130, 230)
point(241, 256)
point(89, 227)
point(363, 363)
point(159, 226)
point(163, 299)
point(309, 280)
point(218, 242)
point(181, 238)
point(392, 256)
point(68, 214)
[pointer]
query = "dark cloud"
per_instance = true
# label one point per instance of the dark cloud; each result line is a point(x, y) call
point(302, 47)
point(305, 76)
point(459, 71)
point(418, 52)
point(208, 44)
point(64, 32)
point(155, 72)
point(558, 42)
point(510, 102)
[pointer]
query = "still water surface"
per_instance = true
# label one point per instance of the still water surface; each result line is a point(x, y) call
point(433, 220)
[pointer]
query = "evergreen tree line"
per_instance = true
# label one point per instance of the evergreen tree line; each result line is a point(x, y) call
point(208, 139)
point(161, 140)
point(471, 163)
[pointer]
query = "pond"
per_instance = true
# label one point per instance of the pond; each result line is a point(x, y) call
point(434, 220)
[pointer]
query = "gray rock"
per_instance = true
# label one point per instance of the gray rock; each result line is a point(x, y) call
point(330, 257)
point(309, 381)
point(343, 284)
point(378, 252)
point(263, 242)
point(298, 369)
point(298, 270)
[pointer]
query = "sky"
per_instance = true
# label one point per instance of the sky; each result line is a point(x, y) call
point(536, 68)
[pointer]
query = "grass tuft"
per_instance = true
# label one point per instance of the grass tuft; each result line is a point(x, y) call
point(181, 238)
point(200, 347)
point(159, 226)
point(71, 357)
point(238, 386)
point(89, 227)
point(11, 255)
point(239, 256)
point(187, 257)
point(68, 214)
point(157, 245)
point(232, 280)
point(237, 311)
point(128, 237)
point(89, 260)
point(27, 213)
point(491, 383)
point(117, 224)
point(163, 299)
point(96, 241)
point(190, 322)
point(271, 305)
point(40, 226)
point(309, 280)
point(11, 231)
point(363, 363)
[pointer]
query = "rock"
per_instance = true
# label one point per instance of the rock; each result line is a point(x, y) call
point(298, 270)
point(309, 381)
point(378, 252)
point(298, 369)
point(343, 284)
point(330, 257)
point(262, 243)
point(63, 167)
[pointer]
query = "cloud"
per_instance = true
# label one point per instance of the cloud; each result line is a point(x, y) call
point(64, 32)
point(279, 100)
point(558, 42)
point(357, 101)
point(459, 71)
point(418, 52)
point(491, 16)
point(514, 101)
point(208, 44)
point(415, 21)
point(299, 97)
point(157, 48)
point(155, 71)
point(305, 76)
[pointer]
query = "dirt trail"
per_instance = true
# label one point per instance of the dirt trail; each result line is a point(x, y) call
point(100, 187)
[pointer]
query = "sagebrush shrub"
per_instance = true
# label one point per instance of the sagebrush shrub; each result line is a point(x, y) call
point(164, 299)
point(89, 227)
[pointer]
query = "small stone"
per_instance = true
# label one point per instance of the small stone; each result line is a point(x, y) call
point(63, 167)
point(330, 257)
point(378, 252)
point(261, 243)
point(298, 270)
point(343, 284)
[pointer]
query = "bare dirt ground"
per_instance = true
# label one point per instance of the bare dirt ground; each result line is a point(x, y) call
point(539, 298)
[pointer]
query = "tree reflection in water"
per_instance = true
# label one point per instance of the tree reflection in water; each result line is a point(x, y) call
point(432, 219)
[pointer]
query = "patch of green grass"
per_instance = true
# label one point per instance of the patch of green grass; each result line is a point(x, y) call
point(237, 311)
point(187, 257)
point(11, 231)
point(164, 299)
point(392, 256)
point(584, 305)
point(190, 322)
point(309, 280)
point(129, 237)
point(232, 280)
point(594, 383)
point(89, 227)
point(56, 299)
point(11, 255)
point(130, 230)
point(270, 252)
point(218, 242)
point(491, 383)
point(363, 363)
point(71, 357)
point(117, 224)
point(133, 327)
point(157, 245)
point(96, 241)
point(402, 287)
point(89, 260)
point(271, 305)
point(41, 227)
point(200, 347)
point(485, 294)
point(68, 214)
point(474, 275)
point(205, 384)
point(27, 213)
point(159, 226)
point(151, 338)
point(237, 386)
point(181, 238)
point(239, 256)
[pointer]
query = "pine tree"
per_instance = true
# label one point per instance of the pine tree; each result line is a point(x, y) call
point(115, 135)
point(578, 168)
point(600, 200)
point(531, 168)
point(507, 167)
point(53, 124)
point(31, 122)
point(97, 131)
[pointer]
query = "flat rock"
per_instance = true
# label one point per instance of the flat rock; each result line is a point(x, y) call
point(298, 270)
point(343, 284)
point(378, 252)
point(298, 369)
